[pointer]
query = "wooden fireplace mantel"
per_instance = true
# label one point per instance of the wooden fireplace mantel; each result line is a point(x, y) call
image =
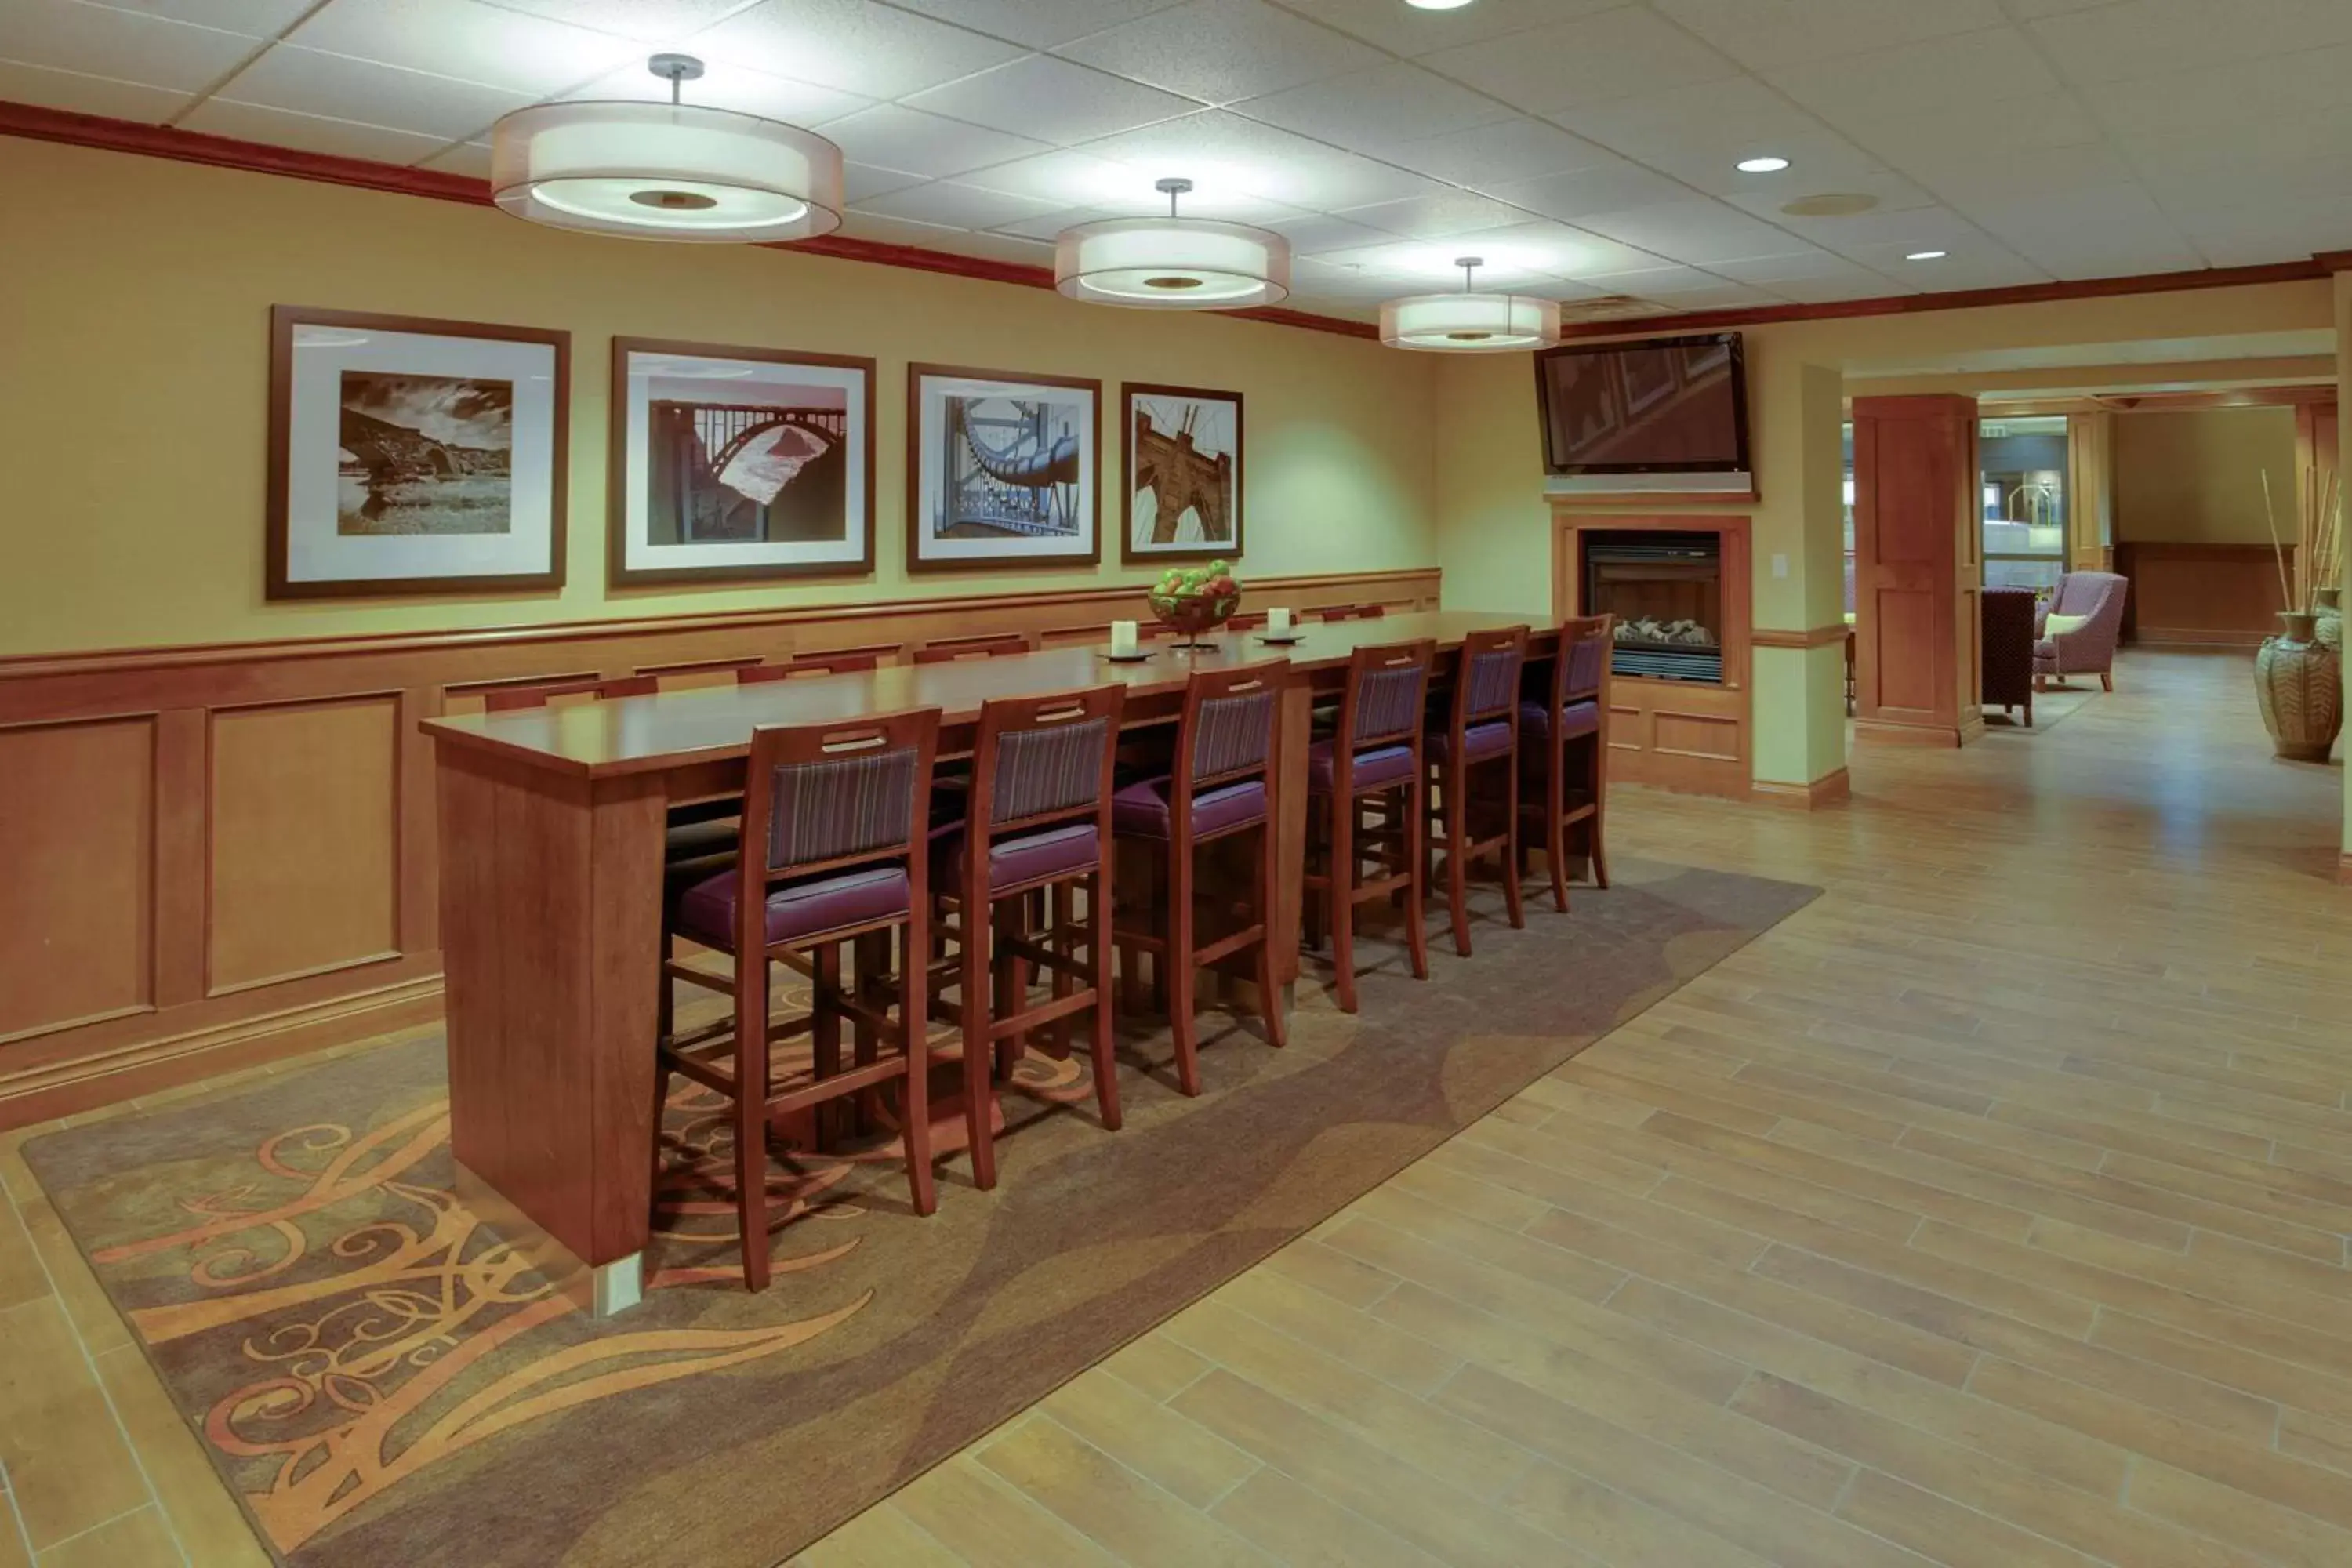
point(1676, 734)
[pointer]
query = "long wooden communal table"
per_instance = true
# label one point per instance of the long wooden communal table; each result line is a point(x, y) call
point(550, 826)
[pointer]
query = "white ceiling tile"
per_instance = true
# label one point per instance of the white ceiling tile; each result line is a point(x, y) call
point(2022, 125)
point(1218, 148)
point(1764, 33)
point(954, 205)
point(2238, 235)
point(1961, 179)
point(892, 136)
point(1312, 234)
point(1819, 163)
point(1065, 178)
point(646, 21)
point(1612, 187)
point(1378, 107)
point(2216, 102)
point(1560, 250)
point(1694, 231)
point(728, 85)
point(1052, 100)
point(47, 88)
point(1006, 247)
point(2159, 38)
point(1436, 216)
point(1973, 69)
point(312, 134)
point(1426, 266)
point(255, 18)
point(1860, 284)
point(1738, 110)
point(1799, 261)
point(853, 45)
point(467, 40)
point(863, 182)
point(1892, 193)
point(1625, 53)
point(1040, 24)
point(98, 40)
point(898, 231)
point(310, 83)
point(471, 159)
point(1654, 282)
point(1487, 155)
point(1223, 50)
point(1722, 296)
point(1407, 30)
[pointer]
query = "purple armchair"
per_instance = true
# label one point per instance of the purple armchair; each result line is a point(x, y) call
point(2089, 648)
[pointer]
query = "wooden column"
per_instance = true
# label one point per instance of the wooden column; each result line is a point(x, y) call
point(1918, 573)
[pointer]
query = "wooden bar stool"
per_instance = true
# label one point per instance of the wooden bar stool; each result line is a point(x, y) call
point(1480, 733)
point(1037, 822)
point(838, 661)
point(1221, 784)
point(1351, 613)
point(841, 812)
point(1376, 753)
point(1564, 753)
point(949, 650)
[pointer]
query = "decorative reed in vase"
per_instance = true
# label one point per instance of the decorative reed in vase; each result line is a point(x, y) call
point(2299, 676)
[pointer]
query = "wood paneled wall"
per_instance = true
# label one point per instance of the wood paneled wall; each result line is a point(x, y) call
point(2225, 595)
point(1917, 570)
point(219, 855)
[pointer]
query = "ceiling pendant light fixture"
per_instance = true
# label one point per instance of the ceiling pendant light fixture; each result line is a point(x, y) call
point(1173, 263)
point(666, 171)
point(1470, 323)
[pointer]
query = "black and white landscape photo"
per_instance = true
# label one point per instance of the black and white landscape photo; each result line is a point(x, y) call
point(425, 454)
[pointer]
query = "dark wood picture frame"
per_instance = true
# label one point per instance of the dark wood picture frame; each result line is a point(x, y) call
point(1127, 552)
point(283, 321)
point(916, 374)
point(618, 573)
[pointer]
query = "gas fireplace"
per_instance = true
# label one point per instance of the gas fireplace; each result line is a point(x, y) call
point(1666, 592)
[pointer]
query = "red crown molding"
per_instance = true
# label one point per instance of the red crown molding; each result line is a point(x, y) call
point(1965, 299)
point(254, 157)
point(2334, 260)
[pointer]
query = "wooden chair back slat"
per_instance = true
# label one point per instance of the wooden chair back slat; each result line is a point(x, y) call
point(508, 699)
point(948, 650)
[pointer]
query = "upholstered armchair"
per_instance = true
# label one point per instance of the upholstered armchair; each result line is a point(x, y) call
point(2096, 600)
point(2011, 621)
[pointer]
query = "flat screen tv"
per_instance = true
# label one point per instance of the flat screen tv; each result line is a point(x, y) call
point(1665, 405)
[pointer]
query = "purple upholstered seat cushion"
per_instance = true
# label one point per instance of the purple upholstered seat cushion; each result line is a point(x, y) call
point(1579, 718)
point(1480, 742)
point(1142, 810)
point(706, 913)
point(1381, 765)
point(1074, 846)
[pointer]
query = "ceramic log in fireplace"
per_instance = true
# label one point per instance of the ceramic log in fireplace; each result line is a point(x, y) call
point(1666, 592)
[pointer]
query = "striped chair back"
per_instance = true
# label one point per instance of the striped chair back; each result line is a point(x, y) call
point(1581, 666)
point(1387, 684)
point(1228, 728)
point(836, 795)
point(1045, 758)
point(1489, 686)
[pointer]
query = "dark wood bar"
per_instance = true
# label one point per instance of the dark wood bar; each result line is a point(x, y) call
point(551, 832)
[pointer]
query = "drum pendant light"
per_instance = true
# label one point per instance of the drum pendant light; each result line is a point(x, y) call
point(1470, 323)
point(1173, 263)
point(666, 171)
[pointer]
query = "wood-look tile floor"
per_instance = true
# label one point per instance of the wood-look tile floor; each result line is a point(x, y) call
point(1991, 1211)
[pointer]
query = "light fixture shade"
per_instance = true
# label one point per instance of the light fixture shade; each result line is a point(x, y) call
point(1173, 264)
point(1470, 323)
point(665, 171)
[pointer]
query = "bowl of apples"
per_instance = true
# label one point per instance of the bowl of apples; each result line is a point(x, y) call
point(1194, 600)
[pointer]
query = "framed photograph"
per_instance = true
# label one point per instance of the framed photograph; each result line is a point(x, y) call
point(1183, 493)
point(1000, 469)
point(414, 457)
point(735, 464)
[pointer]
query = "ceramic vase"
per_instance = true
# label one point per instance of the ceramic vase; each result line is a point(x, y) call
point(2330, 616)
point(2300, 683)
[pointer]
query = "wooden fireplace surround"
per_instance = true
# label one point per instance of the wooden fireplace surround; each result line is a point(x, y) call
point(1678, 734)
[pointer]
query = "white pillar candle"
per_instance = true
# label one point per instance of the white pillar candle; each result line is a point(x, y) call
point(1278, 622)
point(1122, 639)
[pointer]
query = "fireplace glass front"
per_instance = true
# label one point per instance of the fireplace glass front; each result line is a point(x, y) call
point(1666, 592)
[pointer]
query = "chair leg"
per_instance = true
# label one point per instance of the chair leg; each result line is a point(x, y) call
point(1415, 897)
point(1511, 897)
point(1314, 907)
point(1596, 779)
point(1182, 976)
point(1009, 918)
point(1455, 778)
point(1269, 1003)
point(665, 1026)
point(752, 1114)
point(979, 1077)
point(915, 1097)
point(2106, 680)
point(1343, 900)
point(1104, 1044)
point(825, 1042)
point(1555, 827)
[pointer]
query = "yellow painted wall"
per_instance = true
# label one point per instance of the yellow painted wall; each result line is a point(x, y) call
point(134, 301)
point(2196, 476)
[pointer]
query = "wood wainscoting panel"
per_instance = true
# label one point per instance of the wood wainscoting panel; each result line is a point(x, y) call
point(78, 840)
point(305, 838)
point(2220, 594)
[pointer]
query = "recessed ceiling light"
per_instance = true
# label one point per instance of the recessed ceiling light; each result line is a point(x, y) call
point(1926, 256)
point(1437, 5)
point(1770, 163)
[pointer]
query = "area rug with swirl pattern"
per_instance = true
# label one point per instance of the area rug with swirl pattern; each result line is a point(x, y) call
point(381, 1380)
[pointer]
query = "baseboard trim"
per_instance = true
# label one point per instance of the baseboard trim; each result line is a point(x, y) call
point(2344, 869)
point(84, 1083)
point(2194, 637)
point(1830, 789)
point(1879, 731)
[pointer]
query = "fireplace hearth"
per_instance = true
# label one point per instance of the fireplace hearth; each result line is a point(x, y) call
point(1666, 591)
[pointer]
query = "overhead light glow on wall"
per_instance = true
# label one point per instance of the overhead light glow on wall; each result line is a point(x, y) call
point(666, 171)
point(1470, 323)
point(1173, 263)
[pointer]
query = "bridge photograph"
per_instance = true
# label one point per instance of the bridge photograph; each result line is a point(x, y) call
point(424, 454)
point(1183, 471)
